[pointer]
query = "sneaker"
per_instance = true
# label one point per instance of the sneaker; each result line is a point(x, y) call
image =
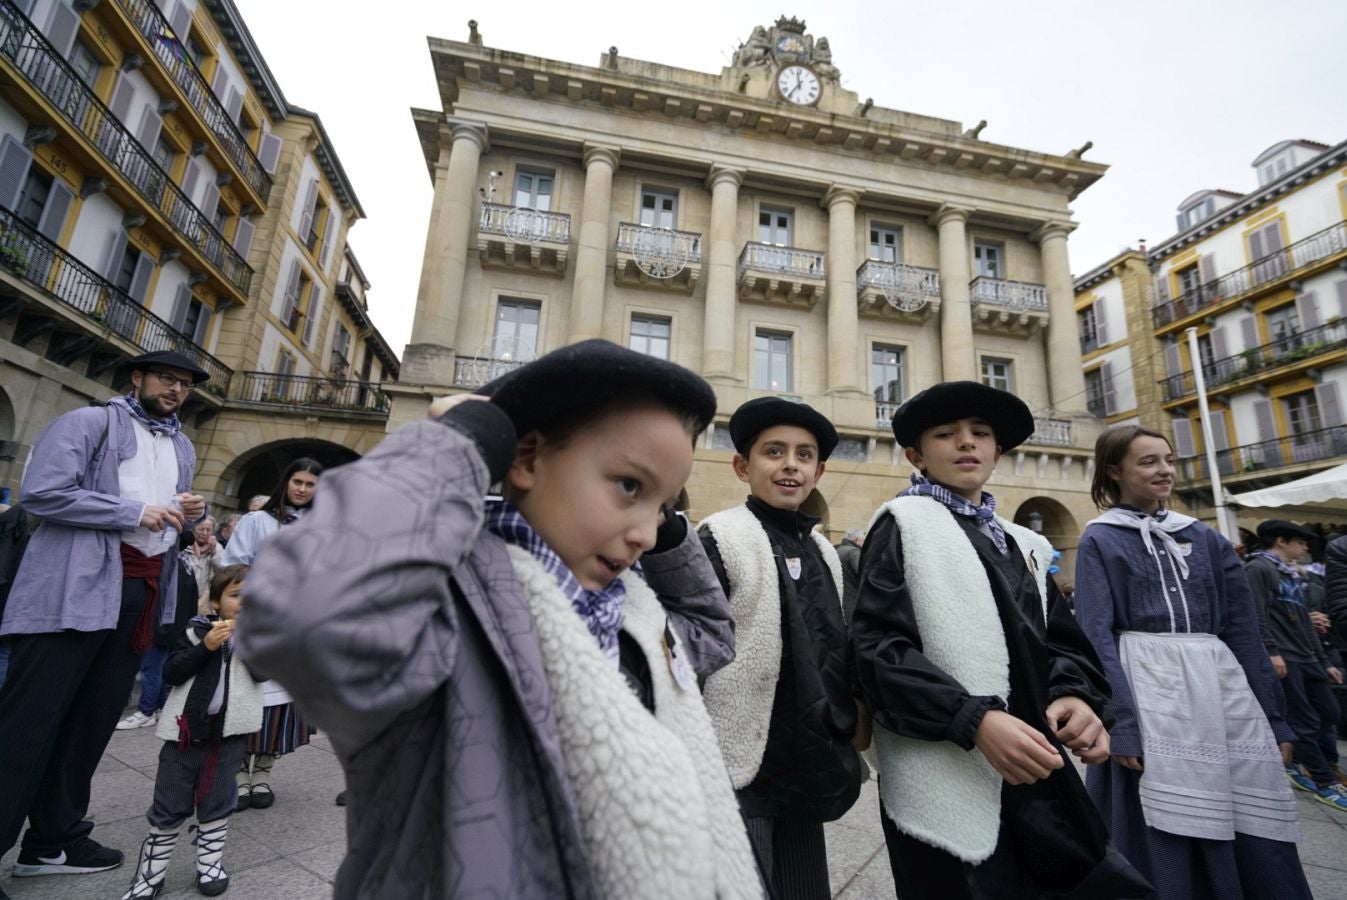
point(84, 856)
point(137, 719)
point(1333, 795)
point(1338, 774)
point(1301, 781)
point(262, 796)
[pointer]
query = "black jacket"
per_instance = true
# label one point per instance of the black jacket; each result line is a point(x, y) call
point(1286, 626)
point(192, 658)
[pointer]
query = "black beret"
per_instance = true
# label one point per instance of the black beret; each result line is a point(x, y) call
point(756, 416)
point(1274, 528)
point(1009, 417)
point(579, 379)
point(169, 359)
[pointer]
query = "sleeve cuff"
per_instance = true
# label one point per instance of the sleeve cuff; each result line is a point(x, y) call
point(490, 429)
point(965, 725)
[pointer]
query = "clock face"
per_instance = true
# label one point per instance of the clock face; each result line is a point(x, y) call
point(798, 85)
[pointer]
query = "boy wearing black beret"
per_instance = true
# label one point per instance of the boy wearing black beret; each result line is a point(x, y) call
point(785, 710)
point(977, 675)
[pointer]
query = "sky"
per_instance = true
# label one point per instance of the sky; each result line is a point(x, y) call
point(1177, 96)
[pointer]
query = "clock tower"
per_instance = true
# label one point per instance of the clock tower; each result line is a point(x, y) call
point(787, 64)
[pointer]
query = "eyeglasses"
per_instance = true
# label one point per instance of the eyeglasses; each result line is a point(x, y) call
point(170, 381)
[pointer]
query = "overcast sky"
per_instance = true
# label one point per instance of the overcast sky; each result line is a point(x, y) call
point(1177, 96)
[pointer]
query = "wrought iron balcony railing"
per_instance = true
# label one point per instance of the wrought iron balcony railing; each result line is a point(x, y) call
point(43, 264)
point(152, 25)
point(1051, 432)
point(1014, 295)
point(899, 278)
point(1305, 252)
point(785, 260)
point(306, 392)
point(684, 245)
point(1285, 351)
point(1307, 447)
point(471, 371)
point(525, 225)
point(38, 63)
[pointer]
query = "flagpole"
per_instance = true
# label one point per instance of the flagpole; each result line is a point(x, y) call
point(1223, 514)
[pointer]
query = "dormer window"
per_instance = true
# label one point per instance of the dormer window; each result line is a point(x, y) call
point(1191, 215)
point(1274, 168)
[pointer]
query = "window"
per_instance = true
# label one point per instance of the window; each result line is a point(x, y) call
point(885, 243)
point(126, 270)
point(33, 197)
point(192, 319)
point(85, 64)
point(516, 330)
point(194, 50)
point(164, 154)
point(1089, 329)
point(659, 208)
point(317, 226)
point(996, 373)
point(1274, 168)
point(771, 362)
point(1302, 415)
point(886, 367)
point(775, 226)
point(1190, 281)
point(989, 259)
point(533, 189)
point(1196, 213)
point(1207, 352)
point(341, 348)
point(295, 305)
point(650, 335)
point(1265, 249)
point(1283, 328)
point(219, 219)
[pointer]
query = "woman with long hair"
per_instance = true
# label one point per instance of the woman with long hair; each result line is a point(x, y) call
point(282, 728)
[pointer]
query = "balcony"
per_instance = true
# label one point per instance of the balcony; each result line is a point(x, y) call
point(658, 257)
point(884, 411)
point(43, 265)
point(1304, 348)
point(308, 394)
point(897, 290)
point(1015, 306)
point(772, 274)
point(473, 371)
point(35, 63)
point(1257, 459)
point(150, 23)
point(511, 237)
point(1051, 432)
point(1288, 264)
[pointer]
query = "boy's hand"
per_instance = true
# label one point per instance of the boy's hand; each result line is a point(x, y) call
point(218, 634)
point(1131, 762)
point(1278, 666)
point(1288, 750)
point(1077, 726)
point(1321, 622)
point(865, 727)
point(1016, 750)
point(1335, 674)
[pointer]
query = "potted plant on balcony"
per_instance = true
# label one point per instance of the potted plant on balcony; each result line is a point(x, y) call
point(14, 259)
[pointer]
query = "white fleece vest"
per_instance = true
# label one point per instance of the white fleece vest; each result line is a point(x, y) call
point(739, 696)
point(243, 701)
point(936, 791)
point(657, 813)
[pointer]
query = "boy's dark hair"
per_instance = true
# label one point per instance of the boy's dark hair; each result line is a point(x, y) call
point(1109, 450)
point(221, 580)
point(277, 501)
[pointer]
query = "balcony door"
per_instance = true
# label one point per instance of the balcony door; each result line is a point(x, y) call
point(988, 258)
point(516, 337)
point(659, 209)
point(533, 189)
point(885, 243)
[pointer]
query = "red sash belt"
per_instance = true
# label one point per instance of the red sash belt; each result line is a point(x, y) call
point(137, 565)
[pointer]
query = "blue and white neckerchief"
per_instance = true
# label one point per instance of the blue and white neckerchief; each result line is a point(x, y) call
point(169, 425)
point(983, 514)
point(1286, 568)
point(601, 610)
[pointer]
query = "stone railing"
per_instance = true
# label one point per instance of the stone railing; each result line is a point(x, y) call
point(525, 225)
point(899, 278)
point(784, 260)
point(686, 245)
point(1015, 295)
point(472, 371)
point(1051, 432)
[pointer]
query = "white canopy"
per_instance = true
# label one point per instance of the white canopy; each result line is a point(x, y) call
point(1324, 491)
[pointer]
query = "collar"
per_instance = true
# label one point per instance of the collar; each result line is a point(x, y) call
point(791, 521)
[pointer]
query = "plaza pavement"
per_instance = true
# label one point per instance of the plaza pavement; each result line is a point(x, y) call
point(292, 850)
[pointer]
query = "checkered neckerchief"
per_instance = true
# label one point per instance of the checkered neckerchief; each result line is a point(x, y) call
point(601, 610)
point(984, 514)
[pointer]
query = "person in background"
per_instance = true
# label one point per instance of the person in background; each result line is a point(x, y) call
point(258, 502)
point(849, 552)
point(227, 529)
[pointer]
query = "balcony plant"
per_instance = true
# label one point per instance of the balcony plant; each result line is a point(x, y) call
point(14, 259)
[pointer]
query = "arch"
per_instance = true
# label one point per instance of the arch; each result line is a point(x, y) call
point(816, 505)
point(257, 470)
point(7, 420)
point(1053, 520)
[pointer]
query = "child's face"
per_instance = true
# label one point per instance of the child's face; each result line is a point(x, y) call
point(1145, 477)
point(299, 490)
point(596, 498)
point(231, 601)
point(960, 454)
point(782, 466)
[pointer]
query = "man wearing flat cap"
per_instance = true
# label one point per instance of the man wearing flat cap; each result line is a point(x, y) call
point(111, 485)
point(1297, 654)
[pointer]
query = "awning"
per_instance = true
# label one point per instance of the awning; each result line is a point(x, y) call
point(1324, 491)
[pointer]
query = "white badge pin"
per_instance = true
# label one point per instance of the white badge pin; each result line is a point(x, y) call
point(793, 567)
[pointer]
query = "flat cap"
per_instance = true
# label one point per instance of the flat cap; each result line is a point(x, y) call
point(1274, 528)
point(1008, 415)
point(168, 359)
point(756, 416)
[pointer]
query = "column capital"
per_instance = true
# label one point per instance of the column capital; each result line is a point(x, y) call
point(722, 174)
point(841, 193)
point(463, 130)
point(1051, 230)
point(603, 152)
point(948, 212)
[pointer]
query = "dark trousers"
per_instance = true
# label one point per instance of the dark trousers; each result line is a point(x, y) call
point(206, 770)
point(923, 872)
point(792, 856)
point(1310, 708)
point(59, 705)
point(153, 690)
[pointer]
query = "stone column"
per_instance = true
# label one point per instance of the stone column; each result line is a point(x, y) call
point(843, 313)
point(956, 311)
point(429, 357)
point(591, 256)
point(722, 259)
point(1066, 378)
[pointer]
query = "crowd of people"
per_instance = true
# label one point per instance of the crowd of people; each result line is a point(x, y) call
point(542, 681)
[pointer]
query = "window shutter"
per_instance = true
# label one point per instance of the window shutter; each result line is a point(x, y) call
point(1110, 395)
point(219, 80)
point(1183, 438)
point(315, 304)
point(178, 317)
point(62, 26)
point(1342, 297)
point(332, 223)
point(116, 250)
point(1173, 361)
point(1207, 268)
point(54, 213)
point(233, 103)
point(1220, 438)
point(180, 20)
point(243, 237)
point(202, 326)
point(1330, 408)
point(269, 152)
point(122, 96)
point(1307, 308)
point(1248, 326)
point(150, 125)
point(1256, 246)
point(1100, 323)
point(1262, 413)
point(15, 160)
point(1161, 289)
point(190, 177)
point(291, 292)
point(210, 200)
point(1220, 349)
point(306, 219)
point(1272, 237)
point(140, 279)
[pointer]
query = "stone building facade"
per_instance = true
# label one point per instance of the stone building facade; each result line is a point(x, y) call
point(766, 227)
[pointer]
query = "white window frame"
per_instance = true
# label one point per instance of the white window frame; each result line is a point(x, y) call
point(1004, 379)
point(882, 249)
point(656, 216)
point(770, 235)
point(990, 259)
point(640, 338)
point(775, 340)
point(881, 389)
point(515, 328)
point(535, 198)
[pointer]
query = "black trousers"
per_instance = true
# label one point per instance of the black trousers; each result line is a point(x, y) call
point(205, 769)
point(58, 708)
point(1310, 708)
point(792, 856)
point(923, 872)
